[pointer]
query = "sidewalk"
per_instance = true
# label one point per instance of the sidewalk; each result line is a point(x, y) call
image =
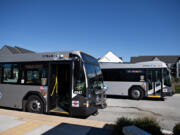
point(23, 123)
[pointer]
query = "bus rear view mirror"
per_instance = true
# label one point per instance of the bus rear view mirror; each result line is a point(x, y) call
point(105, 87)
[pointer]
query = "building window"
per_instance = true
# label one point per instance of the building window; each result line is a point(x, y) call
point(10, 73)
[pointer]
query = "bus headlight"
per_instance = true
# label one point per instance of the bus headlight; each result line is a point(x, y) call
point(86, 104)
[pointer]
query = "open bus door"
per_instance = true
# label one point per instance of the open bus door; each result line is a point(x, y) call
point(155, 83)
point(60, 87)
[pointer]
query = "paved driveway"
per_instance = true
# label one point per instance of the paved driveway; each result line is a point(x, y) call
point(166, 112)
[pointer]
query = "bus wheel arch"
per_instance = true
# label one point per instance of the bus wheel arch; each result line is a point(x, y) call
point(29, 96)
point(136, 92)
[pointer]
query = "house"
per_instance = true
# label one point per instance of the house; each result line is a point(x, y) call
point(173, 62)
point(8, 50)
point(110, 57)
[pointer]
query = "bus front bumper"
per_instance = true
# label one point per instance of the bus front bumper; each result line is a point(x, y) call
point(83, 111)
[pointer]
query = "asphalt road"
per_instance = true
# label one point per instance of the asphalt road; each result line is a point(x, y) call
point(166, 112)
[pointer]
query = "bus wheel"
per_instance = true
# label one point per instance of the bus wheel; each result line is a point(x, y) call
point(34, 104)
point(103, 106)
point(95, 113)
point(136, 93)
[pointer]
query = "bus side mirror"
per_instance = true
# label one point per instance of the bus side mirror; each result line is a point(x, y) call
point(105, 87)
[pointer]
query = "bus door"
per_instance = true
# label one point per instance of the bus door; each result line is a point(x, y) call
point(60, 87)
point(154, 83)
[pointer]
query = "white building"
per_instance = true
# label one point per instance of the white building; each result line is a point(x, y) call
point(110, 57)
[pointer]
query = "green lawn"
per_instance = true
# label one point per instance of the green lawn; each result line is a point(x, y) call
point(177, 88)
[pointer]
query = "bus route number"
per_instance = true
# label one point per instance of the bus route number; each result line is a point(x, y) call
point(77, 92)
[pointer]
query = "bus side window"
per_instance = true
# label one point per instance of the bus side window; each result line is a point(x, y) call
point(10, 73)
point(149, 78)
point(79, 78)
point(166, 78)
point(34, 74)
point(112, 74)
point(0, 73)
point(158, 77)
point(134, 75)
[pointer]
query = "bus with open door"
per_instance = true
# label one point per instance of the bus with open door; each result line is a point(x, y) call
point(62, 82)
point(137, 80)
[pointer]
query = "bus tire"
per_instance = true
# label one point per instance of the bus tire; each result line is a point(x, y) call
point(103, 106)
point(95, 113)
point(34, 104)
point(136, 93)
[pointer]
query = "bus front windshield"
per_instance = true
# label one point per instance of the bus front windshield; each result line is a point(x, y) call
point(94, 75)
point(166, 78)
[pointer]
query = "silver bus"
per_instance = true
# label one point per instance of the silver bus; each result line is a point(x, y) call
point(62, 82)
point(137, 80)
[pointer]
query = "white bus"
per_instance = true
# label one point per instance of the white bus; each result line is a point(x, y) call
point(137, 80)
point(63, 82)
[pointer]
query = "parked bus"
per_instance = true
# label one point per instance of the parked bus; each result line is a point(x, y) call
point(137, 80)
point(63, 82)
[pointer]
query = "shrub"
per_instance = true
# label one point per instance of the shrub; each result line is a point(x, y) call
point(176, 129)
point(121, 122)
point(148, 124)
point(177, 88)
point(176, 80)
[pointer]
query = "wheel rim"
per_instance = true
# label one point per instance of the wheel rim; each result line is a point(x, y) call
point(35, 105)
point(136, 93)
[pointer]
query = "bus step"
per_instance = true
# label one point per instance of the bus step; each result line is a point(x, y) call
point(154, 96)
point(59, 110)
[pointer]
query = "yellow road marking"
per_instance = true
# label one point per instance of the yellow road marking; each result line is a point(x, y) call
point(21, 129)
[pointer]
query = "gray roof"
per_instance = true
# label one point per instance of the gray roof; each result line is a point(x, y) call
point(166, 59)
point(8, 50)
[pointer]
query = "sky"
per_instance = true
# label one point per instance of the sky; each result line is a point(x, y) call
point(125, 27)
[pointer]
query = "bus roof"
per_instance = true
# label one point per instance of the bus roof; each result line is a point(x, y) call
point(148, 64)
point(33, 57)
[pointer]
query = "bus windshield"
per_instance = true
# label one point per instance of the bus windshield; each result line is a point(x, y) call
point(166, 77)
point(94, 74)
point(95, 80)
